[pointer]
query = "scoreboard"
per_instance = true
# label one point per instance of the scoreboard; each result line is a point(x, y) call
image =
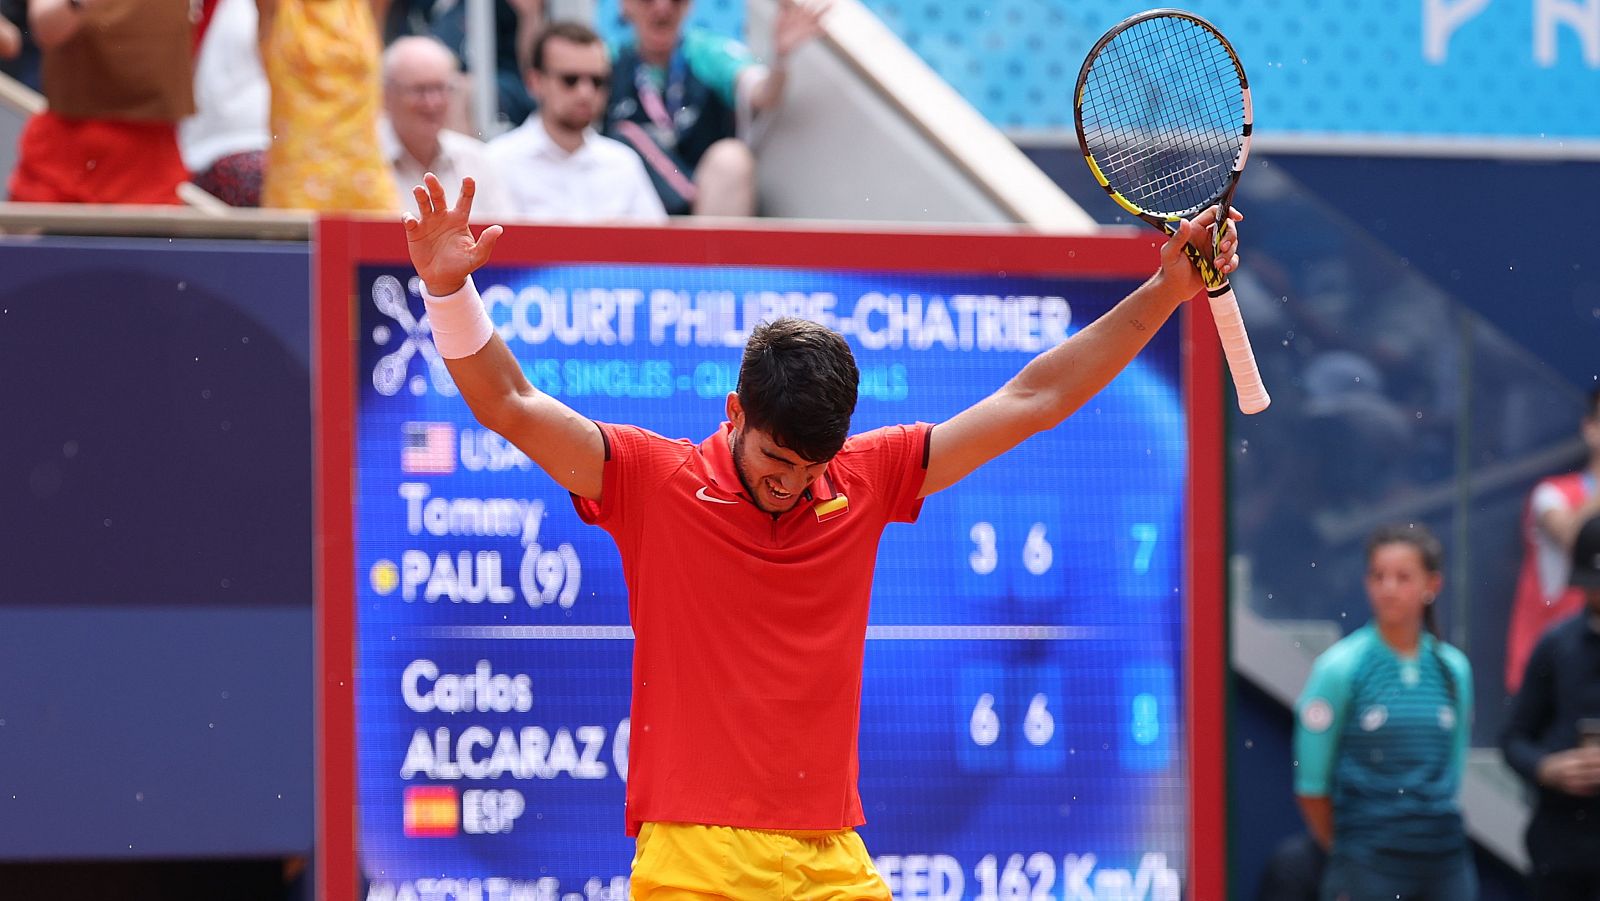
point(1025, 713)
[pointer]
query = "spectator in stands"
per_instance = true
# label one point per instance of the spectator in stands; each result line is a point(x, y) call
point(1555, 509)
point(680, 96)
point(224, 143)
point(1381, 739)
point(419, 77)
point(116, 81)
point(558, 168)
point(1553, 739)
point(321, 60)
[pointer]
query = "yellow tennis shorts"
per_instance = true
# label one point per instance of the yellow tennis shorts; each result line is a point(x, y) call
point(681, 861)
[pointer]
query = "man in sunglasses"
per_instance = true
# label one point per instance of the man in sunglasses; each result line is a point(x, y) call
point(556, 167)
point(682, 95)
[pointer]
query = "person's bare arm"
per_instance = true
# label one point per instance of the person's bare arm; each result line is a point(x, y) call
point(1318, 814)
point(266, 10)
point(10, 39)
point(1059, 381)
point(798, 23)
point(563, 443)
point(52, 23)
point(1562, 525)
point(530, 18)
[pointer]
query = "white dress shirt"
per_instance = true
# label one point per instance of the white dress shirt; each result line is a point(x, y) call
point(602, 181)
point(459, 156)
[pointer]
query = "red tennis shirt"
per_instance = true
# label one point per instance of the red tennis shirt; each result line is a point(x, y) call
point(748, 629)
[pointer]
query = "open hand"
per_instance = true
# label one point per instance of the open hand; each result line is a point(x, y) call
point(441, 244)
point(798, 22)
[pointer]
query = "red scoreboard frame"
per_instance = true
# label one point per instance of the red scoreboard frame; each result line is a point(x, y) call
point(343, 245)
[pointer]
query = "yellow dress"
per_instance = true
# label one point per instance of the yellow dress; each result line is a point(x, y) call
point(322, 61)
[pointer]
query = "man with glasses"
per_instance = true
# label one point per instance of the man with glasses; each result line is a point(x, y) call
point(419, 82)
point(558, 168)
point(682, 96)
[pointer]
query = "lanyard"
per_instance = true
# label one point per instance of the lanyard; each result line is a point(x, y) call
point(663, 112)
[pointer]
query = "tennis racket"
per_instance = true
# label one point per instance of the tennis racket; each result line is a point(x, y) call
point(1162, 110)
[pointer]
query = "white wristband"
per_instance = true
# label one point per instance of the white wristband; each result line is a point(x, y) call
point(459, 322)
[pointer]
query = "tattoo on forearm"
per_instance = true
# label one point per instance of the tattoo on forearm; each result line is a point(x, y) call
point(1139, 326)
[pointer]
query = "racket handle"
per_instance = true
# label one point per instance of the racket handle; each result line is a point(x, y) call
point(1236, 347)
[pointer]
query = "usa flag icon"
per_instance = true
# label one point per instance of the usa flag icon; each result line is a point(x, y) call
point(428, 448)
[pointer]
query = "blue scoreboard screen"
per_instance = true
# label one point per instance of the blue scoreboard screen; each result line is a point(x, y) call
point(1024, 714)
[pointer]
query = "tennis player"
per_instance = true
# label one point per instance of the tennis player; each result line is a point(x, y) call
point(749, 558)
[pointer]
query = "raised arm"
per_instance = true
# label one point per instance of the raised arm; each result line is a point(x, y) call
point(562, 443)
point(530, 18)
point(10, 39)
point(1059, 381)
point(798, 23)
point(52, 23)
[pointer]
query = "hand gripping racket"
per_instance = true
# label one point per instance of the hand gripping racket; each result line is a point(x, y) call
point(1162, 110)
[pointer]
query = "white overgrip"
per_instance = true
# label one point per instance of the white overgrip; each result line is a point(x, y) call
point(1253, 396)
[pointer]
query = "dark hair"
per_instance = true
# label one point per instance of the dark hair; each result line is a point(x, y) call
point(798, 382)
point(572, 32)
point(1431, 551)
point(1414, 534)
point(1594, 405)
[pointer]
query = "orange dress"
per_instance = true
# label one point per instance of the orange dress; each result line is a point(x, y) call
point(322, 61)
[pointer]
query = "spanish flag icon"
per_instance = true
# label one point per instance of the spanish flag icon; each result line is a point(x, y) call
point(431, 811)
point(832, 508)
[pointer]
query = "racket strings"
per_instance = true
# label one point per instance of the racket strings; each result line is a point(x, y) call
point(1162, 112)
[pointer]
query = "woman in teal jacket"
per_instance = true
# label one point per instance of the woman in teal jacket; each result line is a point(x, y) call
point(1381, 739)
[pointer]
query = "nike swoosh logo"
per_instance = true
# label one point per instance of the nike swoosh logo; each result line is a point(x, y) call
point(701, 494)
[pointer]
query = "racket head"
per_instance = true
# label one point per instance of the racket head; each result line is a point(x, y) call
point(1163, 116)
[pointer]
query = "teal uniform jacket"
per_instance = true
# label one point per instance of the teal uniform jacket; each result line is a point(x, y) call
point(1385, 737)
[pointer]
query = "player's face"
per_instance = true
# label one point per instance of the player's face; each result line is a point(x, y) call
point(572, 88)
point(774, 476)
point(1399, 585)
point(656, 23)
